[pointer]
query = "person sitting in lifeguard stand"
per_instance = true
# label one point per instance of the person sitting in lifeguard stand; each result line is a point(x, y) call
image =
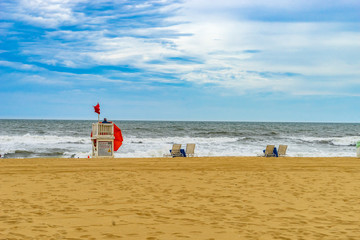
point(105, 121)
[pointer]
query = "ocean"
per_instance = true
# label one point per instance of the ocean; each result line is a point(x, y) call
point(71, 138)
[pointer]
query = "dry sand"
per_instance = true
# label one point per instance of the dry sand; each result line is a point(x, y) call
point(180, 198)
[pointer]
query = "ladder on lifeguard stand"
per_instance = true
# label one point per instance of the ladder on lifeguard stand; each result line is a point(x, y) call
point(102, 139)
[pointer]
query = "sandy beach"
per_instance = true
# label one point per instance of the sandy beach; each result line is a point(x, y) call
point(180, 198)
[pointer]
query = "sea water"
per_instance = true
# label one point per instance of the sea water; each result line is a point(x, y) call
point(71, 139)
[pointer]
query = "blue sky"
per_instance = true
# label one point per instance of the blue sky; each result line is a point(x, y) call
point(244, 60)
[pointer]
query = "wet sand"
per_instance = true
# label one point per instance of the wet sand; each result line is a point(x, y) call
point(180, 198)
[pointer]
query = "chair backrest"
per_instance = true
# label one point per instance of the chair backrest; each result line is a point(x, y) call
point(175, 151)
point(190, 149)
point(269, 151)
point(282, 150)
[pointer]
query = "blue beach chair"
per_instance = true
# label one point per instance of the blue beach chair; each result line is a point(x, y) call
point(270, 151)
point(176, 151)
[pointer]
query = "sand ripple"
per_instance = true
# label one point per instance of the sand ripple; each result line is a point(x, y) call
point(181, 198)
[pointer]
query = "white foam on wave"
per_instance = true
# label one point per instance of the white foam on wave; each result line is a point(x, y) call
point(160, 146)
point(181, 140)
point(42, 139)
point(340, 141)
point(42, 143)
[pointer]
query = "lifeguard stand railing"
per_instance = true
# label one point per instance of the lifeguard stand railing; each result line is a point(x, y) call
point(102, 139)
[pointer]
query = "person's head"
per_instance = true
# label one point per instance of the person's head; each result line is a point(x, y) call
point(105, 119)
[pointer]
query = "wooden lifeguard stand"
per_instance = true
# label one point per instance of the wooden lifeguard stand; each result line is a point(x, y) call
point(102, 139)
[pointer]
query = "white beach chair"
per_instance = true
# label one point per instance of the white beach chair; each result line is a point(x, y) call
point(190, 149)
point(282, 150)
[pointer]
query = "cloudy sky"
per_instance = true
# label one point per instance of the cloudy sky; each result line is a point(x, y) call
point(232, 60)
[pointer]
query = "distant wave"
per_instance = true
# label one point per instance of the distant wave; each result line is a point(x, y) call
point(336, 141)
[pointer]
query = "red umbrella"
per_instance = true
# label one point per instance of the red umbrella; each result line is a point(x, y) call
point(118, 137)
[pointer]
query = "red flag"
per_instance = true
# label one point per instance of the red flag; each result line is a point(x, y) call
point(97, 108)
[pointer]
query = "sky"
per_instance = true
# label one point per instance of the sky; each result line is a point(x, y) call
point(196, 60)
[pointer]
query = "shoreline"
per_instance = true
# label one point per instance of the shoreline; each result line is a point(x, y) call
point(176, 198)
point(201, 157)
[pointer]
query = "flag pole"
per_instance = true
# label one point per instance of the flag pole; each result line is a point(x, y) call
point(98, 117)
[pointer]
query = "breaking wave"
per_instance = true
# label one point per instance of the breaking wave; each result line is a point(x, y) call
point(71, 139)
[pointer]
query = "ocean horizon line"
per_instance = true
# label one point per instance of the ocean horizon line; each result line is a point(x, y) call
point(162, 120)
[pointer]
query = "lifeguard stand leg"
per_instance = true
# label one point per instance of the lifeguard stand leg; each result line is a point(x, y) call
point(94, 148)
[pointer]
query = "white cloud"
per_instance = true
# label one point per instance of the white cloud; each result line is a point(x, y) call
point(20, 66)
point(49, 13)
point(231, 49)
point(320, 49)
point(38, 79)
